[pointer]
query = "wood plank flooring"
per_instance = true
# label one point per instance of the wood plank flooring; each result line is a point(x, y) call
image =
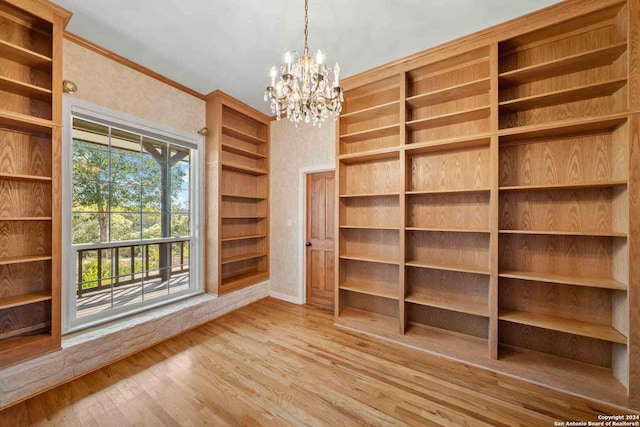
point(275, 363)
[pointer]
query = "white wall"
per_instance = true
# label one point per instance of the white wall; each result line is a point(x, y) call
point(292, 150)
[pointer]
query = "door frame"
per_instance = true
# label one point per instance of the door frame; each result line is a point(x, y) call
point(302, 223)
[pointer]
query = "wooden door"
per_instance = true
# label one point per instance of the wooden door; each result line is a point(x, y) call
point(320, 238)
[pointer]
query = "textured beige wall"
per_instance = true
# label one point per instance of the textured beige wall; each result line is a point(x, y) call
point(110, 84)
point(292, 149)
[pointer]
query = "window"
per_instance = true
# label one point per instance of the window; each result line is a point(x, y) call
point(131, 235)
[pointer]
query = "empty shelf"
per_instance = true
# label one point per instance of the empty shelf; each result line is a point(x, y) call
point(19, 300)
point(575, 327)
point(244, 257)
point(461, 306)
point(567, 65)
point(566, 233)
point(17, 177)
point(376, 111)
point(24, 89)
point(449, 119)
point(464, 90)
point(370, 195)
point(447, 230)
point(357, 319)
point(244, 169)
point(380, 132)
point(369, 259)
point(451, 267)
point(237, 150)
point(450, 191)
point(24, 122)
point(255, 236)
point(24, 56)
point(579, 93)
point(238, 134)
point(365, 156)
point(591, 282)
point(24, 259)
point(384, 290)
point(602, 184)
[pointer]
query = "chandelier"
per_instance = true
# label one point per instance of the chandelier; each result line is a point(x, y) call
point(305, 90)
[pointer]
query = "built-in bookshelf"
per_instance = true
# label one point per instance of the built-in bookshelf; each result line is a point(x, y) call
point(486, 196)
point(30, 146)
point(238, 144)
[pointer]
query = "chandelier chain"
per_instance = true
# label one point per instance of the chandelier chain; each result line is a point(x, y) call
point(306, 27)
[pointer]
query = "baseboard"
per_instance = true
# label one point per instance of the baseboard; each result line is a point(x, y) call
point(284, 297)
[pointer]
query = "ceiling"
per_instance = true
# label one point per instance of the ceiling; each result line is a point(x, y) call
point(231, 45)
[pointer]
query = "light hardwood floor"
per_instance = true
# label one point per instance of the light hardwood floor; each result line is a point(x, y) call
point(276, 363)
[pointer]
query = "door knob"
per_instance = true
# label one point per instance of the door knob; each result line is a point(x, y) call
point(307, 244)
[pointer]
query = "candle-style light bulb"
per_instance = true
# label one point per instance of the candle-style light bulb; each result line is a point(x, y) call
point(336, 73)
point(274, 73)
point(319, 57)
point(287, 59)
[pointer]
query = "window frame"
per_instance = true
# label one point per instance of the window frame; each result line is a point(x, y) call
point(195, 142)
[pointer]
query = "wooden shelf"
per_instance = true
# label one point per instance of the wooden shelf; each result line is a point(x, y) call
point(369, 195)
point(603, 184)
point(452, 191)
point(15, 177)
point(244, 257)
point(368, 227)
point(369, 259)
point(247, 153)
point(565, 233)
point(365, 156)
point(364, 135)
point(591, 282)
point(26, 218)
point(352, 317)
point(234, 133)
point(561, 373)
point(442, 341)
point(25, 123)
point(254, 276)
point(372, 288)
point(464, 90)
point(459, 268)
point(578, 93)
point(575, 327)
point(19, 300)
point(23, 259)
point(20, 348)
point(25, 332)
point(449, 144)
point(567, 65)
point(460, 306)
point(25, 89)
point(572, 127)
point(243, 196)
point(448, 230)
point(233, 239)
point(381, 110)
point(243, 217)
point(243, 169)
point(449, 119)
point(416, 76)
point(23, 56)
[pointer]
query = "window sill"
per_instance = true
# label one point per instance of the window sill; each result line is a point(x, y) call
point(133, 320)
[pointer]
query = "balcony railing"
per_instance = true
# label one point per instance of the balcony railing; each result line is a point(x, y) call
point(129, 262)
